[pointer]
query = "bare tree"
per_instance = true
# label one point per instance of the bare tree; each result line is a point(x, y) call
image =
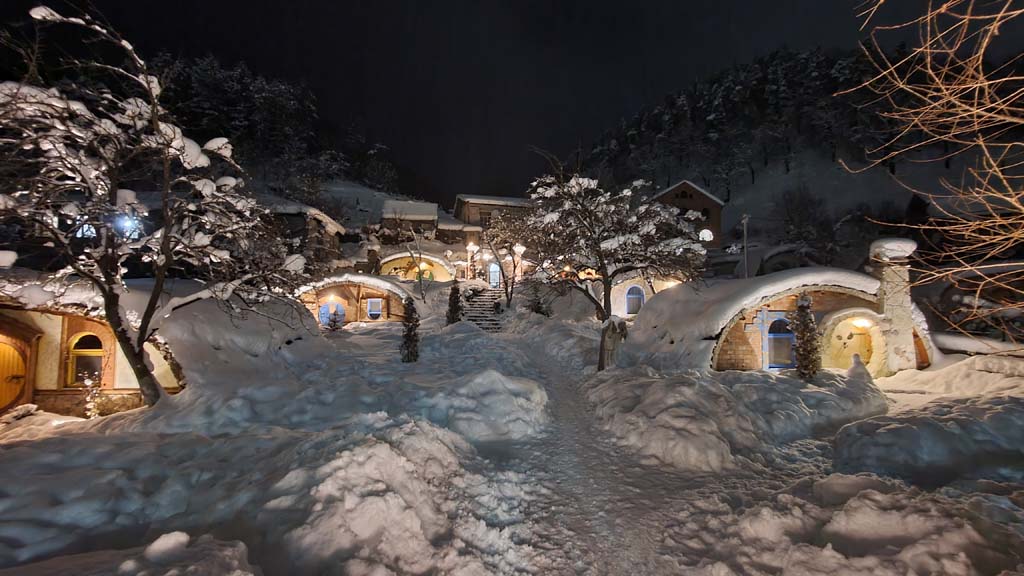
point(948, 98)
point(73, 147)
point(504, 236)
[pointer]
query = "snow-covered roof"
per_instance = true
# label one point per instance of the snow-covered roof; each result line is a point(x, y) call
point(446, 221)
point(278, 205)
point(494, 200)
point(350, 277)
point(439, 260)
point(682, 324)
point(688, 184)
point(409, 210)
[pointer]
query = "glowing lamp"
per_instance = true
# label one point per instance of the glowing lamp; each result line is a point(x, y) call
point(487, 256)
point(423, 265)
point(862, 323)
point(519, 249)
point(706, 235)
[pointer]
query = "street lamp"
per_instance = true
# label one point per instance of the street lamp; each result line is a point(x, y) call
point(471, 249)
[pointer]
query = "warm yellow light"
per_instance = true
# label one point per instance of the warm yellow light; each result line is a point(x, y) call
point(862, 323)
point(567, 268)
point(423, 265)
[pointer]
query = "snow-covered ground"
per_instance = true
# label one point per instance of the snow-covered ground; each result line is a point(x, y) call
point(503, 453)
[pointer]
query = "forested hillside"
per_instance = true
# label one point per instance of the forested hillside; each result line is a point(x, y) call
point(778, 126)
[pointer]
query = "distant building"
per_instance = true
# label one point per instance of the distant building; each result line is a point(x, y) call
point(399, 216)
point(687, 196)
point(478, 209)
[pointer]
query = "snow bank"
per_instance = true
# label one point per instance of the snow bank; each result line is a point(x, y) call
point(703, 420)
point(490, 406)
point(679, 327)
point(849, 525)
point(169, 555)
point(970, 418)
point(375, 493)
point(937, 442)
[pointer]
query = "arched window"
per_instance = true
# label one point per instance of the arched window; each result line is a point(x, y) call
point(634, 299)
point(85, 360)
point(780, 345)
point(494, 275)
point(326, 310)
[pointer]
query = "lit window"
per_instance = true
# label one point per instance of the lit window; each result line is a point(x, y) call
point(374, 308)
point(780, 345)
point(706, 235)
point(85, 230)
point(85, 361)
point(634, 299)
point(129, 227)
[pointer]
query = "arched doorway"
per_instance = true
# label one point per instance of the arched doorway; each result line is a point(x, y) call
point(12, 375)
point(779, 342)
point(494, 275)
point(849, 337)
point(634, 299)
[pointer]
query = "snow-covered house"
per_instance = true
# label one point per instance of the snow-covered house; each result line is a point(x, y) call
point(400, 216)
point(744, 324)
point(315, 235)
point(354, 298)
point(478, 209)
point(52, 345)
point(687, 196)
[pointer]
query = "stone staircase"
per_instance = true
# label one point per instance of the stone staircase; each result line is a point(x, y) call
point(480, 310)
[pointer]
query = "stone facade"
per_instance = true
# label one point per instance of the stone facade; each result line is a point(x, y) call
point(898, 309)
point(741, 347)
point(72, 402)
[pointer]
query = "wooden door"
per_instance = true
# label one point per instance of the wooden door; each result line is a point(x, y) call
point(12, 375)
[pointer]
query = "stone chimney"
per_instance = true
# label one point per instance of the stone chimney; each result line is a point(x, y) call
point(890, 260)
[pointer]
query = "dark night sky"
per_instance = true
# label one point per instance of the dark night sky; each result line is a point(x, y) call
point(461, 90)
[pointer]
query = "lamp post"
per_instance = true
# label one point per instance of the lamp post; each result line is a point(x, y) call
point(518, 249)
point(471, 249)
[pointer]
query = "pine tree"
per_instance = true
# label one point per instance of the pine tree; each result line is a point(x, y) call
point(334, 321)
point(808, 341)
point(410, 335)
point(454, 304)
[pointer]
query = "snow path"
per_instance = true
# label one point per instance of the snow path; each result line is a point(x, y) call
point(595, 509)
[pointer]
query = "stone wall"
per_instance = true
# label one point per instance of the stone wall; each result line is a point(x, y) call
point(69, 402)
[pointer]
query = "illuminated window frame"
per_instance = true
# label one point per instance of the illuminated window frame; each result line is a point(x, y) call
point(74, 354)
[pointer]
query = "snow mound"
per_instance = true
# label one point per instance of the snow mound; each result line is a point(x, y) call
point(937, 442)
point(849, 525)
point(380, 494)
point(977, 375)
point(204, 557)
point(892, 248)
point(698, 420)
point(490, 406)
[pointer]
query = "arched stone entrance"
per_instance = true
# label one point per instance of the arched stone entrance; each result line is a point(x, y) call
point(17, 362)
point(849, 332)
point(408, 267)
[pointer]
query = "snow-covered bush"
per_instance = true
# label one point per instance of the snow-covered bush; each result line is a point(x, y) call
point(704, 420)
point(410, 331)
point(807, 345)
point(454, 313)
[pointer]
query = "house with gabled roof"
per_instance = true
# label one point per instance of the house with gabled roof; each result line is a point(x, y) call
point(687, 196)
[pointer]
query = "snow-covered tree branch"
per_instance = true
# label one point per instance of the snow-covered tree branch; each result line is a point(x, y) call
point(94, 166)
point(588, 239)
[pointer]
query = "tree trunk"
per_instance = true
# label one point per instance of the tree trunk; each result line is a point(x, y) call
point(606, 313)
point(151, 392)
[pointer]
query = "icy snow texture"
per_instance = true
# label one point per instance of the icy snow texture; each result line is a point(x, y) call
point(204, 557)
point(380, 493)
point(977, 421)
point(8, 258)
point(892, 248)
point(679, 327)
point(702, 420)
